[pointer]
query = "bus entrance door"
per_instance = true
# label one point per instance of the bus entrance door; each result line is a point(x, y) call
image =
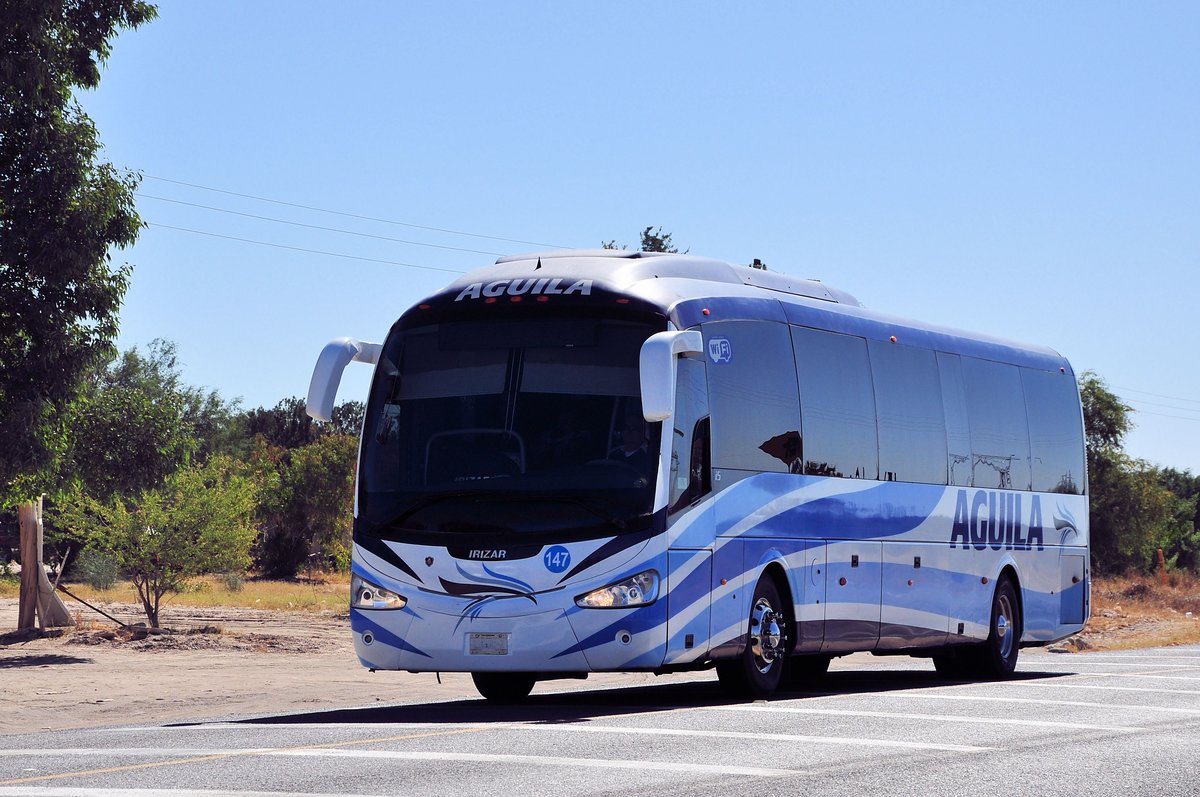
point(810, 601)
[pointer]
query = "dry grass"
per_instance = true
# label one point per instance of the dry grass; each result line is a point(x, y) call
point(1135, 611)
point(327, 593)
point(1127, 611)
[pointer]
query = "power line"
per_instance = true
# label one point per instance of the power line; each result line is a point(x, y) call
point(1158, 395)
point(352, 215)
point(309, 251)
point(1158, 404)
point(317, 226)
point(1164, 415)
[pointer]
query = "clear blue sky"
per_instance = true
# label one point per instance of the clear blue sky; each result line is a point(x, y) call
point(1029, 170)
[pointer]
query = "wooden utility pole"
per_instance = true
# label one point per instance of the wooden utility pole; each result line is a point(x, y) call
point(37, 594)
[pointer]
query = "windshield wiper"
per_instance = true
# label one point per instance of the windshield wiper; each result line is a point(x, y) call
point(506, 496)
point(599, 512)
point(437, 498)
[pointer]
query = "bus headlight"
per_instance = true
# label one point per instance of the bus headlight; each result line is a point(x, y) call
point(365, 595)
point(633, 591)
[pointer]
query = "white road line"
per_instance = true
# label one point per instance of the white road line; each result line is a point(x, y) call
point(550, 761)
point(932, 717)
point(61, 791)
point(1073, 663)
point(1172, 655)
point(1042, 702)
point(623, 730)
point(758, 737)
point(155, 753)
point(1150, 675)
point(133, 752)
point(1060, 685)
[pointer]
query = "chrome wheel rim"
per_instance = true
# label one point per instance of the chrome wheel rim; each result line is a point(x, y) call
point(766, 635)
point(1005, 632)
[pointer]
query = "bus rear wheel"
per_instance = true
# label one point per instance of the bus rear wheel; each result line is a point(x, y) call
point(504, 688)
point(997, 658)
point(758, 671)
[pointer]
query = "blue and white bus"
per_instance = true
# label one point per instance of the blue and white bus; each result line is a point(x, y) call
point(586, 461)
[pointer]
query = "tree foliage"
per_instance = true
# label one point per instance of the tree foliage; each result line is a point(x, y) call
point(306, 518)
point(61, 212)
point(1130, 510)
point(653, 239)
point(288, 425)
point(1106, 418)
point(137, 421)
point(197, 522)
point(1181, 543)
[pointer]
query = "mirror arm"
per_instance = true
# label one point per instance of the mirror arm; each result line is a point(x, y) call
point(327, 375)
point(657, 368)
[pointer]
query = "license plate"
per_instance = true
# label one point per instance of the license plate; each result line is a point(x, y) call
point(488, 644)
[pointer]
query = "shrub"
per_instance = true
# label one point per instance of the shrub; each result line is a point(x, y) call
point(97, 569)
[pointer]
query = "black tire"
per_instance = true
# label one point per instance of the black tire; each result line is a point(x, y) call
point(758, 672)
point(950, 666)
point(504, 688)
point(802, 671)
point(997, 658)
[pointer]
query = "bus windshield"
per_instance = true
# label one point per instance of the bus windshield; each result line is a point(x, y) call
point(516, 427)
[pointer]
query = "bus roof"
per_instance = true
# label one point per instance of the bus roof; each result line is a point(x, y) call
point(690, 290)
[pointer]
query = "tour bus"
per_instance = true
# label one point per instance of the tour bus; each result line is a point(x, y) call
point(585, 461)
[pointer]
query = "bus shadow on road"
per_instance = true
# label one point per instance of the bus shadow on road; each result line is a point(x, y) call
point(585, 704)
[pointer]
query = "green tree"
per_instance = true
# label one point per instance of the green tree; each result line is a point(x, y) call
point(1181, 540)
point(653, 239)
point(137, 421)
point(197, 522)
point(157, 374)
point(61, 212)
point(1106, 418)
point(288, 425)
point(1129, 509)
point(306, 514)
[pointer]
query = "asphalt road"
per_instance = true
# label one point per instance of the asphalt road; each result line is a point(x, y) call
point(1122, 723)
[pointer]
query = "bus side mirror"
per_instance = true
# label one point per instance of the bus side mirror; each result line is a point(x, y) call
point(658, 370)
point(327, 374)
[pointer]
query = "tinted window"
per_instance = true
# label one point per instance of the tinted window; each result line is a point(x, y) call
point(837, 404)
point(999, 432)
point(755, 422)
point(908, 397)
point(1055, 431)
point(546, 431)
point(958, 429)
point(689, 448)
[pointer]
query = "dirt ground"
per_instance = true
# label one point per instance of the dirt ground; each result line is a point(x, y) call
point(235, 662)
point(227, 662)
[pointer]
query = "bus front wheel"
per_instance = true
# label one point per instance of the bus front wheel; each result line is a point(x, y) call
point(757, 672)
point(505, 688)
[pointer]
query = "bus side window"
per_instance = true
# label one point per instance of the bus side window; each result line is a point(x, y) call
point(696, 474)
point(958, 427)
point(691, 463)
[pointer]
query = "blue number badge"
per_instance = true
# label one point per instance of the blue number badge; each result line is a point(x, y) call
point(557, 559)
